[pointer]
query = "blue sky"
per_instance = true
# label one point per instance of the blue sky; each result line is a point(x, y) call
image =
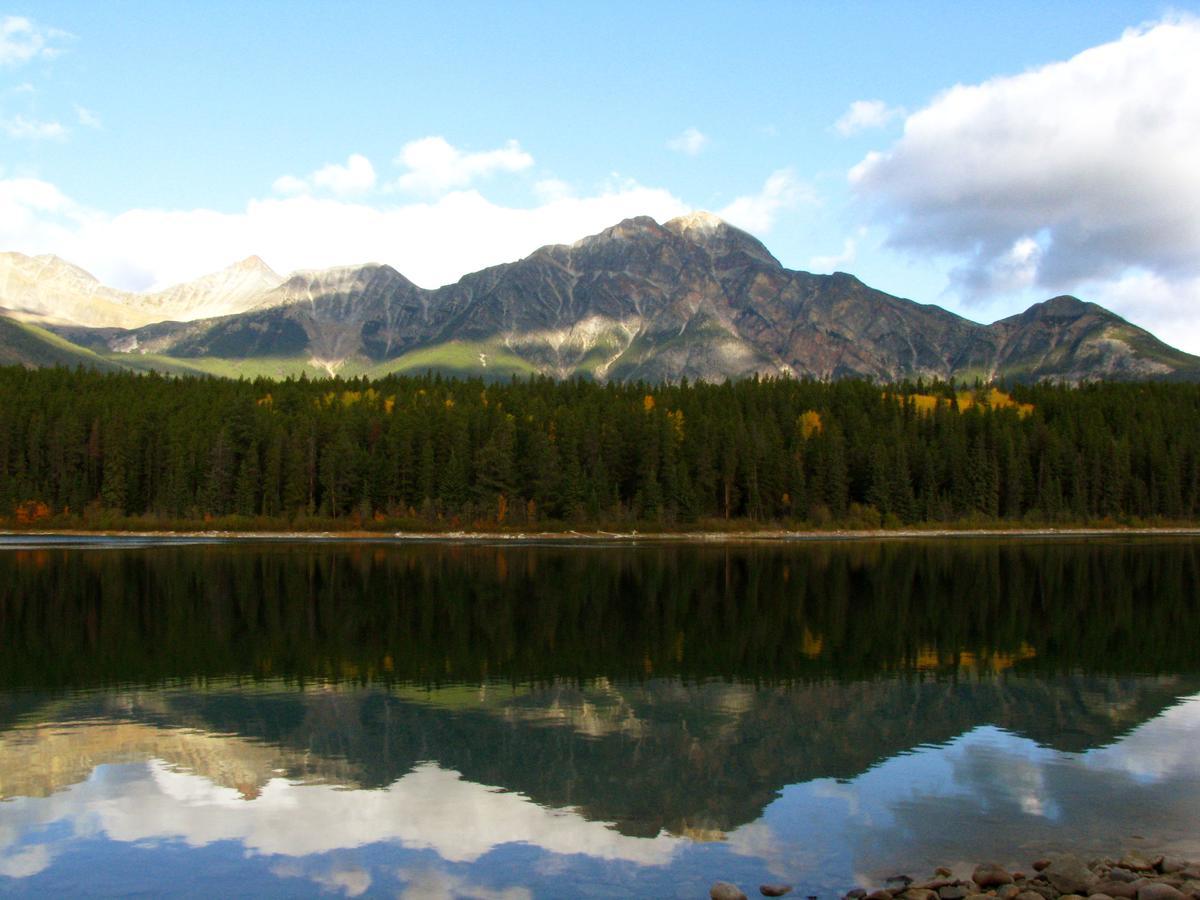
point(150, 143)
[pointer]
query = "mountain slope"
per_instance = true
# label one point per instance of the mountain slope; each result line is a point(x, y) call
point(693, 297)
point(25, 344)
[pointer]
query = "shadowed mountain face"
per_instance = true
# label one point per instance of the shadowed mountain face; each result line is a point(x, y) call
point(694, 297)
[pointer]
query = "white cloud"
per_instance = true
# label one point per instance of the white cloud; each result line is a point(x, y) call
point(352, 881)
point(435, 165)
point(689, 142)
point(432, 242)
point(1079, 174)
point(435, 884)
point(552, 189)
point(357, 176)
point(430, 808)
point(838, 261)
point(757, 212)
point(25, 862)
point(864, 114)
point(290, 185)
point(31, 129)
point(23, 40)
point(86, 117)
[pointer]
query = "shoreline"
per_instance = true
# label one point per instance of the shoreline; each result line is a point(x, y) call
point(607, 537)
point(1131, 875)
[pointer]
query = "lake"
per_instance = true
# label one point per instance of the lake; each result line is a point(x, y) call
point(281, 718)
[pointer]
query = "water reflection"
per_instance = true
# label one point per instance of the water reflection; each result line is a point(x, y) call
point(230, 759)
point(280, 810)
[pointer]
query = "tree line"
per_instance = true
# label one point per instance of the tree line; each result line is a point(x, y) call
point(89, 448)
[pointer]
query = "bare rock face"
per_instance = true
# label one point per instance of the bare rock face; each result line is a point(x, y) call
point(691, 298)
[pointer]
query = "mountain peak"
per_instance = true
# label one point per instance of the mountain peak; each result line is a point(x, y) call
point(697, 221)
point(718, 237)
point(253, 263)
point(45, 265)
point(1064, 306)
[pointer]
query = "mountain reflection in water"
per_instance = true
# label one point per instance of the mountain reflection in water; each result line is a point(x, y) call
point(501, 722)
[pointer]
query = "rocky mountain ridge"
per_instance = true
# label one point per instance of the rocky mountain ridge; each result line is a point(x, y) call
point(692, 297)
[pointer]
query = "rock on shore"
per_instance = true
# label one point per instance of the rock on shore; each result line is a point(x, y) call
point(1057, 876)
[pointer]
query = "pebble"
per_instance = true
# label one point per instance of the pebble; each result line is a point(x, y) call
point(1007, 892)
point(1100, 897)
point(778, 890)
point(1069, 875)
point(1116, 888)
point(856, 894)
point(723, 890)
point(1042, 889)
point(879, 895)
point(1138, 863)
point(952, 892)
point(942, 872)
point(991, 875)
point(1116, 873)
point(1028, 895)
point(919, 894)
point(1159, 892)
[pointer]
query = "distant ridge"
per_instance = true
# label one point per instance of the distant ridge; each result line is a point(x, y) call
point(692, 297)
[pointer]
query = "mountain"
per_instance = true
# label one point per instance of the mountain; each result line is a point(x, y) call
point(693, 297)
point(50, 290)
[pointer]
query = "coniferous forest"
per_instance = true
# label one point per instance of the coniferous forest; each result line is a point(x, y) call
point(84, 449)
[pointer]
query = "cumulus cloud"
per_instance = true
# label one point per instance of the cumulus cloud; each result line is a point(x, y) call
point(758, 212)
point(22, 40)
point(25, 862)
point(837, 261)
point(864, 114)
point(357, 176)
point(430, 808)
point(432, 242)
point(435, 884)
point(434, 165)
point(351, 881)
point(1074, 174)
point(552, 189)
point(290, 185)
point(22, 128)
point(689, 142)
point(86, 117)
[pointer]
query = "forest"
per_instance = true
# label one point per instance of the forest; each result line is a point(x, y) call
point(82, 449)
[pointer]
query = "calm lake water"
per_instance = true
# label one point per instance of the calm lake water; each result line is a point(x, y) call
point(434, 720)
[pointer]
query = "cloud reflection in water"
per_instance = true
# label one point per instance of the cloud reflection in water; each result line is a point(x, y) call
point(988, 793)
